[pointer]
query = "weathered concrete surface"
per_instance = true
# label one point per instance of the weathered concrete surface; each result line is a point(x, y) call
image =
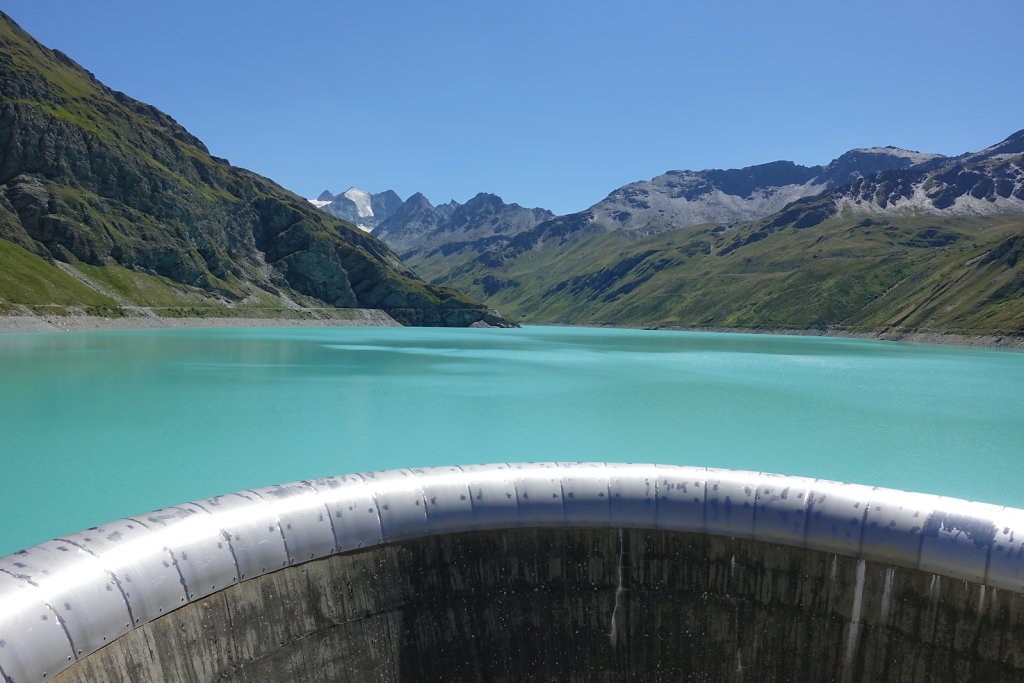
point(539, 604)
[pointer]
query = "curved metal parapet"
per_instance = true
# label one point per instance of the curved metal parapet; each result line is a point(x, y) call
point(66, 598)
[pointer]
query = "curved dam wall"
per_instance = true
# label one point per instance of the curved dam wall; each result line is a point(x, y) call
point(552, 571)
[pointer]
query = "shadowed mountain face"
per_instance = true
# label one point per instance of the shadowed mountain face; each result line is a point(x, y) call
point(94, 182)
point(927, 244)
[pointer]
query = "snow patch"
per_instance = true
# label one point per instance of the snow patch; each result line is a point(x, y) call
point(367, 228)
point(362, 201)
point(318, 203)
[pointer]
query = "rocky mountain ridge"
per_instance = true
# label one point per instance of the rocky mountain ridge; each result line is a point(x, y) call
point(416, 226)
point(678, 199)
point(989, 182)
point(485, 217)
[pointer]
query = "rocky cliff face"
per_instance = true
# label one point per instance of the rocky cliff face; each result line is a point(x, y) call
point(91, 176)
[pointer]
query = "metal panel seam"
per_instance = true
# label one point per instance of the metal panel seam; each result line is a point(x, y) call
point(807, 512)
point(757, 496)
point(426, 508)
point(863, 526)
point(704, 505)
point(811, 491)
point(67, 634)
point(608, 492)
point(988, 557)
point(327, 510)
point(920, 542)
point(376, 509)
point(423, 499)
point(227, 539)
point(515, 487)
point(657, 507)
point(113, 576)
point(472, 499)
point(277, 520)
point(174, 561)
point(561, 492)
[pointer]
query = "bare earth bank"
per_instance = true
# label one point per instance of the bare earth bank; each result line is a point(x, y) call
point(69, 323)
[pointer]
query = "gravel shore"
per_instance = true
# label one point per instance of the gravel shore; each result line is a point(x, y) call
point(70, 323)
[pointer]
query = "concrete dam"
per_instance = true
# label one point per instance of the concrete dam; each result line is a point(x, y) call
point(539, 571)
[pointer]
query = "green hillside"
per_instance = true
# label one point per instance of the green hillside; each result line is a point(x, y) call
point(95, 183)
point(925, 273)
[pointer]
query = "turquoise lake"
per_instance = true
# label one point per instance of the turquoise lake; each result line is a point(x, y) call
point(95, 426)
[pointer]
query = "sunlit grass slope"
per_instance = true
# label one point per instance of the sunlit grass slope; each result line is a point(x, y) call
point(923, 273)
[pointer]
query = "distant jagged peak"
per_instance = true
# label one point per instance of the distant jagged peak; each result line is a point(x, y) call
point(419, 199)
point(485, 201)
point(364, 209)
point(362, 200)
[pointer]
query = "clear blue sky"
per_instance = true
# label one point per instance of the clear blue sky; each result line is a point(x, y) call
point(549, 103)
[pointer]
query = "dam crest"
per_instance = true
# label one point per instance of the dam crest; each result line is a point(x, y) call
point(550, 571)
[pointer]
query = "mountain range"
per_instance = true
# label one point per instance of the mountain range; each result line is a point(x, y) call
point(880, 240)
point(416, 226)
point(108, 206)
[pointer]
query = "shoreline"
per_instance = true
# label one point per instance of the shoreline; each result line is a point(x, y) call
point(992, 341)
point(369, 317)
point(29, 324)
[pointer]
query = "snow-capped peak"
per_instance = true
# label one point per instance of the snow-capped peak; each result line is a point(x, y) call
point(362, 201)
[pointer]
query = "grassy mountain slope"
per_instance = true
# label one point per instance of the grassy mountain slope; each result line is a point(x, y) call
point(114, 194)
point(933, 247)
point(961, 274)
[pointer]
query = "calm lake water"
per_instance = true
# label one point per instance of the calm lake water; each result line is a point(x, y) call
point(95, 426)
